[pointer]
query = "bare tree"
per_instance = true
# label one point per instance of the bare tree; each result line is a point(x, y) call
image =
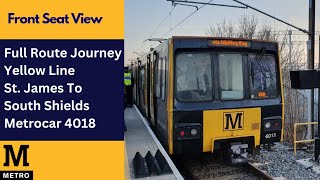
point(247, 26)
point(223, 29)
point(266, 33)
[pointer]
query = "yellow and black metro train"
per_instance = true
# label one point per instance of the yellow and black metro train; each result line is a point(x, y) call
point(203, 94)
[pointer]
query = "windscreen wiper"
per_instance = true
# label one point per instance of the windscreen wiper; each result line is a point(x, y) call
point(198, 86)
point(263, 51)
point(257, 59)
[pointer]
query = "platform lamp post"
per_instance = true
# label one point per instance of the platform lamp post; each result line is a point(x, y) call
point(311, 43)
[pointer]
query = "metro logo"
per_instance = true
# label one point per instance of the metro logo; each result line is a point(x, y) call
point(233, 121)
point(16, 159)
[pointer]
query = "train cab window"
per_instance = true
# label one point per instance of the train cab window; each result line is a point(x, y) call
point(263, 77)
point(193, 77)
point(231, 76)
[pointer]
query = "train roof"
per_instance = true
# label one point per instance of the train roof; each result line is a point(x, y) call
point(258, 42)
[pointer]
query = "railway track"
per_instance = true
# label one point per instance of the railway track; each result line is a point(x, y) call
point(208, 168)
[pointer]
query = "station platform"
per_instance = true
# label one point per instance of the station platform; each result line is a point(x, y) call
point(140, 138)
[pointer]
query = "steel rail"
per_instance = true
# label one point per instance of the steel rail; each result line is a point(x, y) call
point(259, 172)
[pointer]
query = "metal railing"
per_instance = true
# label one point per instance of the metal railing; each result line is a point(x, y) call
point(295, 142)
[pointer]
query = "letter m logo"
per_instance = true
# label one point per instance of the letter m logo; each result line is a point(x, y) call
point(233, 121)
point(16, 158)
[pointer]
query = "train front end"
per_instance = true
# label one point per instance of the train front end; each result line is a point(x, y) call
point(226, 95)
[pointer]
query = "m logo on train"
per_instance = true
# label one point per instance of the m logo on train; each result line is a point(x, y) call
point(233, 121)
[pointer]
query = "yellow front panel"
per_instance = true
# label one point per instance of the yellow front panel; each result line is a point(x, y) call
point(230, 123)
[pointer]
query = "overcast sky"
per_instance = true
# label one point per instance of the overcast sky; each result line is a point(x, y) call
point(143, 16)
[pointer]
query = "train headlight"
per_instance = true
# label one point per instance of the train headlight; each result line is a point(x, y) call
point(267, 125)
point(194, 132)
point(187, 131)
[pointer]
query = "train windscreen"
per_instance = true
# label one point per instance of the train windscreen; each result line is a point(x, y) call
point(263, 77)
point(231, 76)
point(194, 77)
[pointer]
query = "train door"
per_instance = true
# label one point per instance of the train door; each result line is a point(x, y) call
point(134, 89)
point(137, 84)
point(147, 85)
point(161, 108)
point(153, 98)
point(158, 102)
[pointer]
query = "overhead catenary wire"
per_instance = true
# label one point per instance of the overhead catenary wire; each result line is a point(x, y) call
point(183, 20)
point(178, 24)
point(294, 32)
point(299, 32)
point(182, 4)
point(154, 31)
point(168, 15)
point(262, 12)
point(212, 4)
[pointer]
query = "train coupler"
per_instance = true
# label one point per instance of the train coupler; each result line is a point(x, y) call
point(239, 153)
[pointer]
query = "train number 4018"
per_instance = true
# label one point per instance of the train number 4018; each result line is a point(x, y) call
point(270, 135)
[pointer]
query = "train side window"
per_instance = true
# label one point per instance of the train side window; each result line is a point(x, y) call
point(158, 78)
point(263, 77)
point(142, 84)
point(163, 79)
point(231, 76)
